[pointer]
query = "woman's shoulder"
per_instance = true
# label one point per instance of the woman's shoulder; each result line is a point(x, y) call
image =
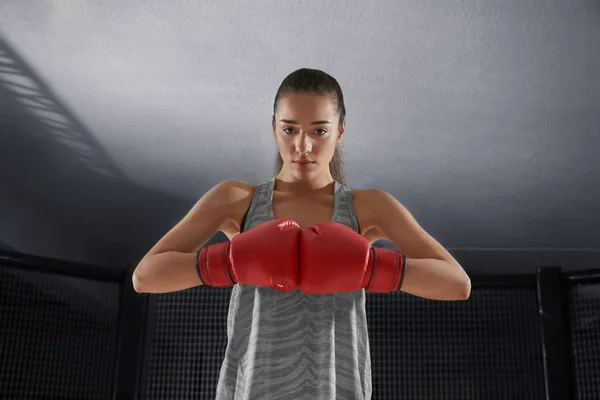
point(367, 195)
point(232, 191)
point(235, 196)
point(232, 184)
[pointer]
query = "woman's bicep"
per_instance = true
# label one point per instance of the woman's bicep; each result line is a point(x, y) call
point(170, 264)
point(203, 220)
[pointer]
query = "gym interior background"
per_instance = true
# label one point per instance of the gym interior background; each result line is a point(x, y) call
point(481, 117)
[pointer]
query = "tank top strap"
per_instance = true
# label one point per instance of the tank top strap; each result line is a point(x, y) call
point(261, 208)
point(344, 211)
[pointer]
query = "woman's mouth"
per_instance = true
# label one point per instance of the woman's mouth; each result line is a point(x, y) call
point(304, 164)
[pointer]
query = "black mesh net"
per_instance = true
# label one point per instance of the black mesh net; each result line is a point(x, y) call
point(58, 336)
point(584, 311)
point(187, 343)
point(486, 348)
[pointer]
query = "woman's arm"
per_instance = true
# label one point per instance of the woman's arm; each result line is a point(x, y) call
point(171, 264)
point(431, 272)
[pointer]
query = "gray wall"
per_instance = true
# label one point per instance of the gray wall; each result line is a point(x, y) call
point(481, 117)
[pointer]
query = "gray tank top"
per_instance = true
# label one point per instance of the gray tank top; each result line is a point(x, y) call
point(291, 345)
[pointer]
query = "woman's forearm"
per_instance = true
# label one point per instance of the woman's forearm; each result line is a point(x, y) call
point(436, 279)
point(166, 272)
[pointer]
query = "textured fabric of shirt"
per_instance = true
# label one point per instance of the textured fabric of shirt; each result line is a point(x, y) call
point(291, 345)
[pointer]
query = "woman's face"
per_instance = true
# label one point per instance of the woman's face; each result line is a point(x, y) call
point(307, 130)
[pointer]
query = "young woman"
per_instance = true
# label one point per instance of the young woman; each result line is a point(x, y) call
point(300, 259)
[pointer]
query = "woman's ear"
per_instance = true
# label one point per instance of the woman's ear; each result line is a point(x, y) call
point(341, 131)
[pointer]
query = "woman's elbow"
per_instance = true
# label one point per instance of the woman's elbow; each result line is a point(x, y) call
point(138, 284)
point(463, 291)
point(462, 286)
point(137, 278)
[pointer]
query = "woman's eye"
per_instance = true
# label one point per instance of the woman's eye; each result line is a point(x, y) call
point(318, 132)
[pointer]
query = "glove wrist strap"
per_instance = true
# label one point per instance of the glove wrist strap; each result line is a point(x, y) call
point(212, 265)
point(388, 271)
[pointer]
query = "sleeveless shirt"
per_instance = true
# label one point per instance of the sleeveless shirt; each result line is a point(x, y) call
point(288, 345)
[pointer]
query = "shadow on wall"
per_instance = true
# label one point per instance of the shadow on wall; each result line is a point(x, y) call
point(65, 196)
point(5, 246)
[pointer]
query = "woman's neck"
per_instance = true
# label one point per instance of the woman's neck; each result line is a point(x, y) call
point(286, 184)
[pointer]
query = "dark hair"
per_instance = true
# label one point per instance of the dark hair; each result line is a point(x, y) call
point(314, 81)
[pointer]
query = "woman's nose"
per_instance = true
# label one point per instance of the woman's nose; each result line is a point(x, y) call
point(303, 144)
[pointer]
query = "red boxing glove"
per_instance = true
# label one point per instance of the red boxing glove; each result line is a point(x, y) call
point(334, 258)
point(266, 255)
